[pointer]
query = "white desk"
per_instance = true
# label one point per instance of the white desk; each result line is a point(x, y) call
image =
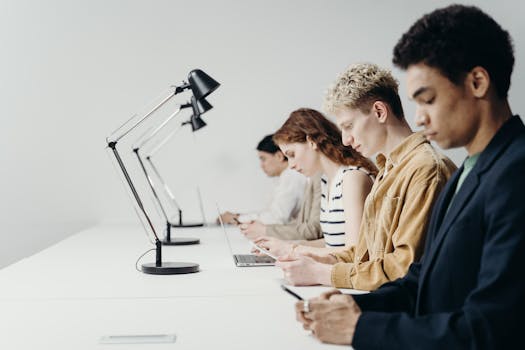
point(71, 294)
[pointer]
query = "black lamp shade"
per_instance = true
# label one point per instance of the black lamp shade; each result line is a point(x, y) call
point(200, 106)
point(201, 83)
point(197, 123)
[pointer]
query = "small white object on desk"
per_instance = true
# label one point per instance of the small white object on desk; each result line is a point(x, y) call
point(138, 339)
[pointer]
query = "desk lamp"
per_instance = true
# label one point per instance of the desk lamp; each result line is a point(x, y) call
point(202, 85)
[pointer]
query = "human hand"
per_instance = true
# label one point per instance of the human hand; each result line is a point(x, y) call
point(302, 270)
point(332, 317)
point(229, 218)
point(253, 229)
point(274, 245)
point(300, 313)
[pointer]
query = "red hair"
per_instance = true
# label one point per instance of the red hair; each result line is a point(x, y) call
point(308, 124)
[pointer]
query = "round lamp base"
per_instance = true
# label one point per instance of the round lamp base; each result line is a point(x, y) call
point(170, 268)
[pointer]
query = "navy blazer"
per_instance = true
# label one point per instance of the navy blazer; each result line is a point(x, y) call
point(468, 290)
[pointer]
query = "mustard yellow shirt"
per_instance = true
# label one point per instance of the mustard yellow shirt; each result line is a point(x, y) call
point(395, 217)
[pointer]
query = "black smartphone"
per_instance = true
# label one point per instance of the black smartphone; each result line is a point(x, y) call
point(291, 292)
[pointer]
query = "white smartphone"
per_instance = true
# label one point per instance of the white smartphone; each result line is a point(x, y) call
point(262, 250)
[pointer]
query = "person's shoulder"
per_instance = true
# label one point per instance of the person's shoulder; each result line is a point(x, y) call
point(510, 163)
point(515, 152)
point(356, 175)
point(503, 176)
point(505, 153)
point(507, 147)
point(427, 161)
point(356, 169)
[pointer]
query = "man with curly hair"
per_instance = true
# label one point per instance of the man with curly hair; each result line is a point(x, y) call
point(467, 292)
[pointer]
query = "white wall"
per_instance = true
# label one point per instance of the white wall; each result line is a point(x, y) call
point(72, 71)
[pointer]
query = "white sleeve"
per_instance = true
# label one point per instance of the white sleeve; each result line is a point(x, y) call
point(287, 199)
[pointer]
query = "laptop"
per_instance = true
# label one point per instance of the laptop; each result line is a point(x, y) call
point(245, 260)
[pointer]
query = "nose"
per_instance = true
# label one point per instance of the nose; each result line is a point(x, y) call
point(421, 118)
point(291, 164)
point(348, 140)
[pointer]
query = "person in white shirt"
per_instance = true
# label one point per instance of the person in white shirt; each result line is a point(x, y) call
point(287, 194)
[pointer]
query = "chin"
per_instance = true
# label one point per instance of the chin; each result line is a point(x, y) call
point(445, 144)
point(364, 153)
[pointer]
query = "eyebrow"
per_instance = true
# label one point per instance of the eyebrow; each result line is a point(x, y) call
point(345, 122)
point(419, 91)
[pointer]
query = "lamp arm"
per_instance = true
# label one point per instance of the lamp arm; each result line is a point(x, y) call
point(164, 184)
point(161, 144)
point(120, 133)
point(149, 135)
point(150, 183)
point(145, 138)
point(113, 146)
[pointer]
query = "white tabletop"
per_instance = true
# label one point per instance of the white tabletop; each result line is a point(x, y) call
point(86, 286)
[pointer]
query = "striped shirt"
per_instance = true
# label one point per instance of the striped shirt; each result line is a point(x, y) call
point(332, 216)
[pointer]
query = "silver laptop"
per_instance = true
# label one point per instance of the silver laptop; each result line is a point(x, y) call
point(245, 260)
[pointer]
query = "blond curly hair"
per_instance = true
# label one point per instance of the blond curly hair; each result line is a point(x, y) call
point(360, 86)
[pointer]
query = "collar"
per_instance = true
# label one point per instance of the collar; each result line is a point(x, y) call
point(400, 152)
point(507, 133)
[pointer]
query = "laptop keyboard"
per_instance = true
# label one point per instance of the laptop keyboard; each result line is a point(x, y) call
point(251, 259)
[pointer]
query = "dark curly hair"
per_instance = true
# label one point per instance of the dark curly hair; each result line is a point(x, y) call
point(456, 39)
point(308, 123)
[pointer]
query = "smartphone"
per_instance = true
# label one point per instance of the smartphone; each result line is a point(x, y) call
point(262, 250)
point(291, 292)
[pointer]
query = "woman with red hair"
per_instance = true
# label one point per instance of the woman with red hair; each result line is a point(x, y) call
point(313, 145)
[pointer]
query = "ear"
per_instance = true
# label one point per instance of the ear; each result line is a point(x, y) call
point(380, 111)
point(311, 143)
point(478, 81)
point(280, 156)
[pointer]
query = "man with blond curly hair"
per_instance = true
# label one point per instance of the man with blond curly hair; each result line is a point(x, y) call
point(368, 110)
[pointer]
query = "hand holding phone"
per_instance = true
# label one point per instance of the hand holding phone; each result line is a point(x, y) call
point(262, 250)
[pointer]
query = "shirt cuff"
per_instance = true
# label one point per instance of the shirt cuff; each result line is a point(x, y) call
point(343, 256)
point(340, 275)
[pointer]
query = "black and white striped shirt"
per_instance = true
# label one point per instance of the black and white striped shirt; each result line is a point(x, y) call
point(332, 210)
